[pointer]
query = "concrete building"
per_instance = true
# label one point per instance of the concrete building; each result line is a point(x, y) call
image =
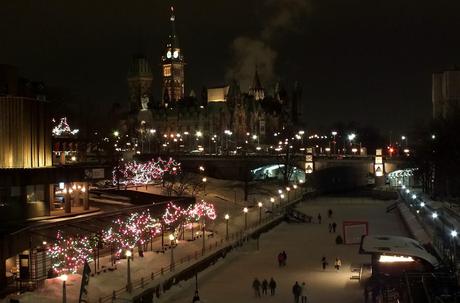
point(446, 93)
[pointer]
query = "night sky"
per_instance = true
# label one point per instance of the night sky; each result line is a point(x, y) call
point(368, 61)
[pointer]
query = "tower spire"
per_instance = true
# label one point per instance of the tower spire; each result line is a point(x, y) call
point(173, 37)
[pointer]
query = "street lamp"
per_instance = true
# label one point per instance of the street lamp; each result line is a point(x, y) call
point(64, 287)
point(288, 189)
point(351, 137)
point(172, 238)
point(434, 215)
point(116, 133)
point(273, 204)
point(260, 211)
point(454, 235)
point(245, 210)
point(295, 190)
point(227, 217)
point(204, 185)
point(334, 133)
point(129, 286)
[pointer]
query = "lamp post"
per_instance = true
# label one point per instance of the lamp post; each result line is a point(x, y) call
point(227, 217)
point(203, 231)
point(172, 238)
point(245, 210)
point(129, 286)
point(64, 287)
point(453, 235)
point(334, 133)
point(260, 211)
point(272, 200)
point(351, 137)
point(295, 191)
point(204, 185)
point(281, 198)
point(288, 189)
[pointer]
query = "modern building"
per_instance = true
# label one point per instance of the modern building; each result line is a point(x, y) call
point(446, 93)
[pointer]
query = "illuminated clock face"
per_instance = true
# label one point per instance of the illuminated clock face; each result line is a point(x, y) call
point(176, 54)
point(168, 54)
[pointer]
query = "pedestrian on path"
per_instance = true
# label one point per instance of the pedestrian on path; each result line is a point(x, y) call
point(264, 286)
point(280, 259)
point(330, 227)
point(329, 213)
point(284, 258)
point(256, 287)
point(296, 291)
point(319, 218)
point(272, 286)
point(334, 226)
point(303, 293)
point(337, 264)
point(324, 263)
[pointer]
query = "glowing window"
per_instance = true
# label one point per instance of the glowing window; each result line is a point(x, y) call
point(167, 70)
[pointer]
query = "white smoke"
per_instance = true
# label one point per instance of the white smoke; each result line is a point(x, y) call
point(249, 52)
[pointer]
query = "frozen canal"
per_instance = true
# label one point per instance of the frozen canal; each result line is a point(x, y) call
point(305, 244)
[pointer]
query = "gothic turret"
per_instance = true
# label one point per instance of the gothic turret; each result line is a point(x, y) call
point(256, 90)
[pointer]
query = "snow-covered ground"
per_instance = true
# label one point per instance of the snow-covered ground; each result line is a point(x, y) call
point(305, 244)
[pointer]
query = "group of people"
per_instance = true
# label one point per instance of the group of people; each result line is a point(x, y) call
point(337, 263)
point(299, 292)
point(282, 258)
point(261, 288)
point(264, 286)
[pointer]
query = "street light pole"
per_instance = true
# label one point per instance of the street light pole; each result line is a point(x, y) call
point(64, 287)
point(245, 210)
point(204, 185)
point(272, 200)
point(227, 217)
point(288, 189)
point(260, 212)
point(454, 235)
point(204, 236)
point(172, 238)
point(129, 286)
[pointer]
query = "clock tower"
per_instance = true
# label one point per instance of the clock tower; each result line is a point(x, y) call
point(173, 68)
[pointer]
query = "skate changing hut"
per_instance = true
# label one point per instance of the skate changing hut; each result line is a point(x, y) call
point(394, 255)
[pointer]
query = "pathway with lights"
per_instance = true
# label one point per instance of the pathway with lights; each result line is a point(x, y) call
point(102, 285)
point(305, 244)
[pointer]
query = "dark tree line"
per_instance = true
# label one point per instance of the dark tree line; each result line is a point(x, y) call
point(438, 158)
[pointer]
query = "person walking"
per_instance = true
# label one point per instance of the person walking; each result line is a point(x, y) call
point(272, 286)
point(329, 213)
point(319, 218)
point(330, 227)
point(303, 293)
point(324, 262)
point(264, 286)
point(296, 290)
point(280, 259)
point(337, 264)
point(284, 258)
point(334, 226)
point(256, 287)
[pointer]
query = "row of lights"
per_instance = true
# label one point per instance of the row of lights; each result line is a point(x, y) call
point(434, 214)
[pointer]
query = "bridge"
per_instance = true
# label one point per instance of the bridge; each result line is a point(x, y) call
point(330, 172)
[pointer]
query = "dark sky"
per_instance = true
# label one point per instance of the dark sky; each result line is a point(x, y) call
point(368, 61)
